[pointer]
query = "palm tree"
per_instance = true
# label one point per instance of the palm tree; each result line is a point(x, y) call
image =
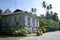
point(32, 9)
point(51, 12)
point(44, 5)
point(35, 10)
point(50, 6)
point(47, 8)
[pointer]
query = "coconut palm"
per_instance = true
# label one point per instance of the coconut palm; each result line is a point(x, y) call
point(44, 5)
point(47, 8)
point(32, 10)
point(50, 6)
point(35, 9)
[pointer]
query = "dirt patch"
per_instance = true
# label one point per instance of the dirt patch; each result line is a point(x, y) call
point(10, 38)
point(3, 37)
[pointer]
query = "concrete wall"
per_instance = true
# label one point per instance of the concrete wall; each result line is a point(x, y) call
point(31, 27)
point(12, 20)
point(22, 19)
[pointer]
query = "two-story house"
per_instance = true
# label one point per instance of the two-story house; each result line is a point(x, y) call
point(20, 19)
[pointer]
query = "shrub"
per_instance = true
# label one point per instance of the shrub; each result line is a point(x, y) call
point(44, 29)
point(20, 32)
point(14, 32)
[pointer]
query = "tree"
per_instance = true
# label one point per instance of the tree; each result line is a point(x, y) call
point(33, 10)
point(55, 17)
point(47, 8)
point(0, 14)
point(51, 15)
point(0, 18)
point(50, 6)
point(59, 25)
point(49, 22)
point(44, 4)
point(0, 11)
point(48, 25)
point(42, 16)
point(47, 15)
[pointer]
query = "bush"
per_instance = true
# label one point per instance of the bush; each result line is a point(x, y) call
point(14, 32)
point(20, 32)
point(7, 32)
point(44, 29)
point(48, 29)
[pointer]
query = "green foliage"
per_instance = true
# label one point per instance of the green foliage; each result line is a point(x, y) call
point(55, 17)
point(48, 24)
point(59, 25)
point(47, 15)
point(20, 32)
point(0, 11)
point(14, 32)
point(44, 4)
point(0, 14)
point(44, 29)
point(0, 19)
point(50, 14)
point(7, 32)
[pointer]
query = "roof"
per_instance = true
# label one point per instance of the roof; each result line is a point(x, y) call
point(7, 11)
point(18, 12)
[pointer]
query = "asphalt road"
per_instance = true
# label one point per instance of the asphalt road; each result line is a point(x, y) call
point(46, 36)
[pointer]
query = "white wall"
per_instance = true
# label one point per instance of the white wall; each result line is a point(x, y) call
point(31, 23)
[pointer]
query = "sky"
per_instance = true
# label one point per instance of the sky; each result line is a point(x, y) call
point(26, 5)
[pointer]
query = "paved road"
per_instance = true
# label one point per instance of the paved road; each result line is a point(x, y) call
point(47, 36)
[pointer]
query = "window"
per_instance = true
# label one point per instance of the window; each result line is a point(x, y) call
point(29, 20)
point(37, 22)
point(33, 22)
point(5, 19)
point(17, 23)
point(14, 18)
point(11, 27)
point(28, 23)
point(20, 18)
point(7, 24)
point(9, 19)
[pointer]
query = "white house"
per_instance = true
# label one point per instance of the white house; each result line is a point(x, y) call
point(20, 19)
